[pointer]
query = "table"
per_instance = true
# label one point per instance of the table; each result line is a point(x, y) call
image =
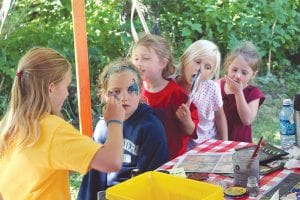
point(267, 182)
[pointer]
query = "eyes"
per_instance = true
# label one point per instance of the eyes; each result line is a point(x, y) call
point(205, 66)
point(117, 92)
point(114, 92)
point(144, 58)
point(244, 72)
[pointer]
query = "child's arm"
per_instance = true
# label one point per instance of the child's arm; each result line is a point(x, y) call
point(246, 111)
point(110, 156)
point(183, 113)
point(221, 124)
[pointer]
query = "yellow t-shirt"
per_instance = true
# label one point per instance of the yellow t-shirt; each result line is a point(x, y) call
point(42, 171)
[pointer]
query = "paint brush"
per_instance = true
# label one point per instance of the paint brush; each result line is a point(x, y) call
point(257, 148)
point(194, 81)
point(255, 152)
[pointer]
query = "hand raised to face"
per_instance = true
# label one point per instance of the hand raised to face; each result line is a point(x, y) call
point(234, 86)
point(113, 110)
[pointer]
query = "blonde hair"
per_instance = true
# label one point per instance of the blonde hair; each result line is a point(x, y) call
point(38, 68)
point(161, 47)
point(115, 67)
point(201, 49)
point(248, 51)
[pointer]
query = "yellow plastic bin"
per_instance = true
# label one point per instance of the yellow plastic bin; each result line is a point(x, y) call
point(156, 185)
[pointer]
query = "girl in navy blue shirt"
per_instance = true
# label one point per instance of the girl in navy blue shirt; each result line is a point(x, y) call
point(145, 145)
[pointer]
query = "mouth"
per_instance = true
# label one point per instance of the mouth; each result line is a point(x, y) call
point(235, 80)
point(125, 106)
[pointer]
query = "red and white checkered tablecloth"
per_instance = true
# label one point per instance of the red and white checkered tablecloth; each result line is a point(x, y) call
point(267, 182)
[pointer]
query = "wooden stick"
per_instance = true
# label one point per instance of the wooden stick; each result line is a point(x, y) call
point(82, 67)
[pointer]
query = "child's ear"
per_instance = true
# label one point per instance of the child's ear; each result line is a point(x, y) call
point(164, 62)
point(51, 87)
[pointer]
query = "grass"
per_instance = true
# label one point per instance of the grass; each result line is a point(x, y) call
point(266, 123)
point(267, 120)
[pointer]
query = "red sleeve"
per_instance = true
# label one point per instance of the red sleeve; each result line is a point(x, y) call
point(255, 93)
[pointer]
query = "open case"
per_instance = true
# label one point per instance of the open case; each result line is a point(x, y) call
point(270, 157)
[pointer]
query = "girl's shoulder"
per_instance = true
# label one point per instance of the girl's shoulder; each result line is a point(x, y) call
point(212, 83)
point(252, 88)
point(176, 88)
point(252, 92)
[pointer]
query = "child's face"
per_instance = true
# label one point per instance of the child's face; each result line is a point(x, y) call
point(124, 85)
point(148, 62)
point(206, 64)
point(240, 71)
point(59, 92)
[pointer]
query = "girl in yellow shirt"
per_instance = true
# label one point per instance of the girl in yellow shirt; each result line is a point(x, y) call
point(37, 147)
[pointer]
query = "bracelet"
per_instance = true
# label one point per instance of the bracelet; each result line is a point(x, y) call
point(114, 121)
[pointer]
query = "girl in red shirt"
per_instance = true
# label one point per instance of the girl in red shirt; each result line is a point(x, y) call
point(152, 55)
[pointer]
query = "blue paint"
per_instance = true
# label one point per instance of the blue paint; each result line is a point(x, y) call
point(133, 87)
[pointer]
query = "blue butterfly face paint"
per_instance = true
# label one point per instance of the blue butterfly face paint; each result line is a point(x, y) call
point(133, 88)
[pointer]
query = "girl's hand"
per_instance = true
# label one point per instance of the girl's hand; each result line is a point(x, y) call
point(183, 113)
point(233, 86)
point(113, 110)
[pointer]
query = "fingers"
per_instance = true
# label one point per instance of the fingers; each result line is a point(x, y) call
point(183, 112)
point(233, 85)
point(188, 103)
point(113, 109)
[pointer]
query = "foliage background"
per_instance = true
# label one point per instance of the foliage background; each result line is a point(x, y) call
point(273, 26)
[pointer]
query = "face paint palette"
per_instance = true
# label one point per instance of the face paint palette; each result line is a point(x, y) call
point(267, 153)
point(235, 191)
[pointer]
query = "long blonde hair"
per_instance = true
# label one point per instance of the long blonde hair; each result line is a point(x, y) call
point(161, 47)
point(38, 68)
point(200, 49)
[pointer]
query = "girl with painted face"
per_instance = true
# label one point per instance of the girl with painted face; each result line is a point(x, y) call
point(145, 146)
point(241, 99)
point(38, 148)
point(152, 55)
point(200, 64)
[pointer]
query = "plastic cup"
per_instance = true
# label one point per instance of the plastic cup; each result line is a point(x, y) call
point(244, 166)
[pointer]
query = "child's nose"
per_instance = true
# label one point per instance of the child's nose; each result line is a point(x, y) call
point(124, 96)
point(238, 75)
